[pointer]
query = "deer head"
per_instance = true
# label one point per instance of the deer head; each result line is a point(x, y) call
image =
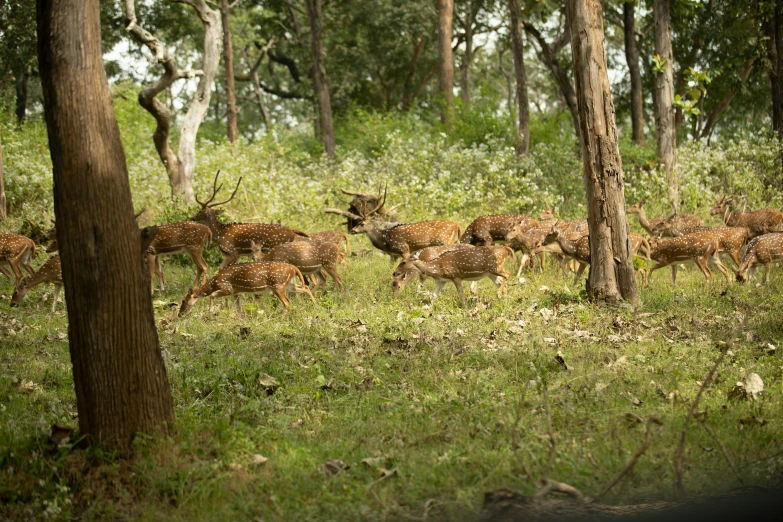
point(365, 217)
point(720, 206)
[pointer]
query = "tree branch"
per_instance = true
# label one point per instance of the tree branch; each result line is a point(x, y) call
point(712, 119)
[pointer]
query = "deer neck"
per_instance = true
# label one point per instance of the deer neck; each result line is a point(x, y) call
point(426, 267)
point(214, 225)
point(643, 219)
point(378, 238)
point(567, 246)
point(727, 215)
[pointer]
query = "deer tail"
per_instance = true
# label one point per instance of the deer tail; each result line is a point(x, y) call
point(300, 233)
point(647, 246)
point(510, 252)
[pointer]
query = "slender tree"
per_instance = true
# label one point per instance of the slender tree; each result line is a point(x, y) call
point(118, 370)
point(632, 58)
point(611, 267)
point(446, 60)
point(228, 61)
point(319, 75)
point(664, 94)
point(3, 214)
point(181, 167)
point(523, 136)
point(775, 54)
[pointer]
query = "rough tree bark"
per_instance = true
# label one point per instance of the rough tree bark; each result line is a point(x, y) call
point(548, 57)
point(21, 96)
point(3, 214)
point(775, 53)
point(232, 130)
point(467, 57)
point(446, 61)
point(523, 136)
point(664, 94)
point(319, 76)
point(632, 57)
point(182, 166)
point(118, 370)
point(611, 267)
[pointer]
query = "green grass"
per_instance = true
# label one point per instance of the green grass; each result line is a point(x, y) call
point(449, 397)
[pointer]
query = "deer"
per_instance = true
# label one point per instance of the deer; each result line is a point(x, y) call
point(234, 239)
point(485, 230)
point(547, 216)
point(16, 250)
point(50, 272)
point(730, 239)
point(173, 238)
point(405, 272)
point(464, 265)
point(310, 257)
point(577, 249)
point(328, 236)
point(249, 278)
point(758, 222)
point(762, 250)
point(697, 247)
point(680, 220)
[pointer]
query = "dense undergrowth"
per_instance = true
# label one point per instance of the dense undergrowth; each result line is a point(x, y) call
point(427, 404)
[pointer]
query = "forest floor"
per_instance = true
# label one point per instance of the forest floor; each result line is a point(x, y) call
point(373, 408)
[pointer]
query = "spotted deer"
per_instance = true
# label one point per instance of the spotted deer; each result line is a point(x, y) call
point(183, 236)
point(249, 278)
point(310, 257)
point(328, 236)
point(764, 221)
point(465, 265)
point(15, 251)
point(234, 239)
point(406, 271)
point(762, 250)
point(485, 230)
point(50, 272)
point(679, 220)
point(697, 247)
point(730, 239)
point(577, 249)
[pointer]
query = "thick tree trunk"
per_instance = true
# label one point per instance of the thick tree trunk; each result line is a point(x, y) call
point(118, 370)
point(775, 53)
point(611, 267)
point(21, 96)
point(3, 214)
point(664, 93)
point(467, 58)
point(446, 61)
point(228, 60)
point(321, 82)
point(523, 136)
point(632, 57)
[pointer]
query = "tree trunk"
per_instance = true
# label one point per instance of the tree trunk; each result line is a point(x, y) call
point(260, 98)
point(632, 57)
point(712, 119)
point(319, 76)
point(21, 96)
point(664, 92)
point(464, 68)
point(3, 214)
point(446, 61)
point(118, 371)
point(611, 267)
point(523, 137)
point(407, 95)
point(775, 53)
point(228, 59)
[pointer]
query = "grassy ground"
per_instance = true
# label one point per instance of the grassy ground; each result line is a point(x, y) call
point(428, 405)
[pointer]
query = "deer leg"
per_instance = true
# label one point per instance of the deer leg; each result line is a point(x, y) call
point(674, 273)
point(238, 305)
point(473, 287)
point(438, 287)
point(56, 296)
point(230, 259)
point(701, 262)
point(150, 259)
point(332, 271)
point(653, 269)
point(279, 291)
point(721, 268)
point(579, 272)
point(458, 284)
point(766, 272)
point(17, 272)
point(201, 265)
point(161, 274)
point(5, 272)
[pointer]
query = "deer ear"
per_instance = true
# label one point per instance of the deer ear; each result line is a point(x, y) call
point(253, 245)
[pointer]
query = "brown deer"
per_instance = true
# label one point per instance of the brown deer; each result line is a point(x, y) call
point(637, 243)
point(234, 239)
point(465, 265)
point(50, 272)
point(485, 230)
point(16, 250)
point(762, 250)
point(577, 249)
point(698, 247)
point(547, 217)
point(328, 236)
point(405, 272)
point(310, 257)
point(183, 236)
point(249, 278)
point(730, 239)
point(679, 220)
point(764, 221)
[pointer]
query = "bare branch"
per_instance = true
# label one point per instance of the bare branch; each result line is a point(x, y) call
point(646, 444)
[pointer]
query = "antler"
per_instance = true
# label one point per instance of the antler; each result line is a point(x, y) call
point(352, 192)
point(136, 216)
point(344, 213)
point(229, 199)
point(215, 190)
point(380, 205)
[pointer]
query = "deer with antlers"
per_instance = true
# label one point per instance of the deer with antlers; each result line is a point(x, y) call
point(310, 257)
point(471, 264)
point(234, 239)
point(249, 278)
point(762, 250)
point(730, 239)
point(401, 240)
point(357, 209)
point(697, 247)
point(764, 221)
point(678, 220)
point(15, 251)
point(50, 272)
point(174, 238)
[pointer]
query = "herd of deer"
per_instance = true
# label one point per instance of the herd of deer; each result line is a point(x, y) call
point(437, 249)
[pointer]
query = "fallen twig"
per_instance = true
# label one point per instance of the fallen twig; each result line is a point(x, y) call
point(561, 487)
point(628, 467)
point(552, 445)
point(723, 450)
